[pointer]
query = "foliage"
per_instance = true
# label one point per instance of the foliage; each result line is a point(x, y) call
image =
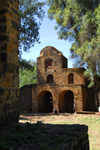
point(27, 72)
point(79, 21)
point(31, 15)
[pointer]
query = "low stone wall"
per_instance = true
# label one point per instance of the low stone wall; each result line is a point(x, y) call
point(78, 138)
point(55, 137)
point(26, 98)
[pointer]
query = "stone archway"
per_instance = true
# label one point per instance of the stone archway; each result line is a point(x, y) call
point(66, 101)
point(45, 102)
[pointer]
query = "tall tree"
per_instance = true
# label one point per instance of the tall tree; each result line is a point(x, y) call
point(31, 14)
point(79, 21)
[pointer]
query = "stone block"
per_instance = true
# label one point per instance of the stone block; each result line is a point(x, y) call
point(3, 56)
point(4, 46)
point(1, 100)
point(14, 11)
point(15, 104)
point(2, 28)
point(6, 107)
point(11, 48)
point(1, 77)
point(1, 67)
point(11, 116)
point(16, 60)
point(7, 81)
point(16, 81)
point(17, 92)
point(10, 58)
point(7, 95)
point(10, 1)
point(1, 91)
point(4, 38)
point(10, 68)
point(17, 69)
point(12, 92)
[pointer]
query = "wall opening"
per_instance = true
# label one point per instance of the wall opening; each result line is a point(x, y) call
point(50, 78)
point(48, 63)
point(70, 78)
point(66, 102)
point(45, 102)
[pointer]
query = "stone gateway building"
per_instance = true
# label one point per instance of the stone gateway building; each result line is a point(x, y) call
point(57, 86)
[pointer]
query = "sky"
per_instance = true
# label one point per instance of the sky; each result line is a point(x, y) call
point(49, 37)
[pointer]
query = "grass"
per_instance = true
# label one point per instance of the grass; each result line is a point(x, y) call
point(93, 124)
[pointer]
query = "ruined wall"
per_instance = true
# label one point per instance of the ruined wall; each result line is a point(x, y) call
point(89, 103)
point(26, 98)
point(60, 75)
point(55, 90)
point(9, 66)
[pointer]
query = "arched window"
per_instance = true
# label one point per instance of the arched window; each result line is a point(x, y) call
point(50, 79)
point(70, 78)
point(48, 63)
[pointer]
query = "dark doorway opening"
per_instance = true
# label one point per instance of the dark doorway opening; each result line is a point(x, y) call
point(45, 102)
point(66, 102)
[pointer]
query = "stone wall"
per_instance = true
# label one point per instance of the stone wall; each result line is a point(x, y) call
point(56, 90)
point(89, 102)
point(60, 75)
point(26, 98)
point(9, 66)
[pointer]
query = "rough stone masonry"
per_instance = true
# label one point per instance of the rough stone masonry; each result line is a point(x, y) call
point(58, 87)
point(9, 65)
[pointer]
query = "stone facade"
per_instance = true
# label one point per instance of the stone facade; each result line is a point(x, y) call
point(58, 86)
point(9, 62)
point(26, 98)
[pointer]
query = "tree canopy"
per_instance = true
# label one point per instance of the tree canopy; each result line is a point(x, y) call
point(79, 21)
point(31, 14)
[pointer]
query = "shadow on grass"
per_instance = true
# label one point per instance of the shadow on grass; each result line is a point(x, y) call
point(40, 136)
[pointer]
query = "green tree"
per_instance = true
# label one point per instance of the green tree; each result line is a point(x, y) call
point(31, 14)
point(27, 72)
point(79, 21)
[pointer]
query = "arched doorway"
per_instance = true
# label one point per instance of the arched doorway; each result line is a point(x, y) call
point(66, 102)
point(45, 102)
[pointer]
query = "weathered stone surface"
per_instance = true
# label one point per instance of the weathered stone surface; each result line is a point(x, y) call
point(1, 91)
point(3, 56)
point(1, 100)
point(7, 95)
point(7, 81)
point(9, 23)
point(4, 38)
point(2, 29)
point(26, 98)
point(6, 107)
point(10, 68)
point(4, 47)
point(12, 116)
point(15, 104)
point(57, 86)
